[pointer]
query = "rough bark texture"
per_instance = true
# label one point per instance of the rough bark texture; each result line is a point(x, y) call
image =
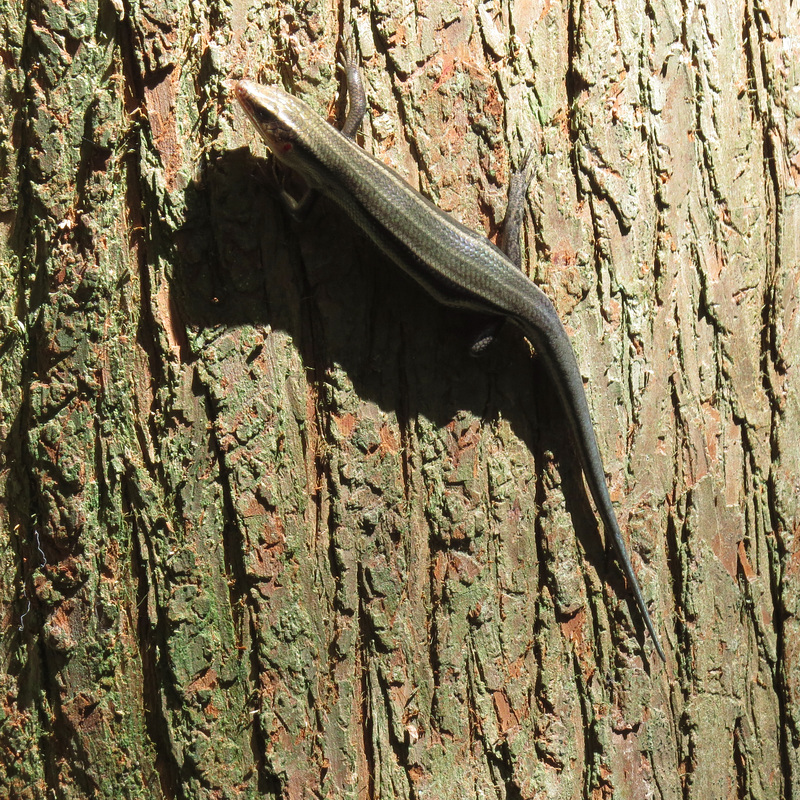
point(279, 534)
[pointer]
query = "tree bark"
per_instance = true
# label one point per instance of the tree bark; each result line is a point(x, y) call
point(269, 531)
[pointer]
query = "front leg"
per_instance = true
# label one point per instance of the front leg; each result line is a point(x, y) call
point(356, 96)
point(298, 208)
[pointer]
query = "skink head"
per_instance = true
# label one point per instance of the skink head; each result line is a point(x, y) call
point(277, 116)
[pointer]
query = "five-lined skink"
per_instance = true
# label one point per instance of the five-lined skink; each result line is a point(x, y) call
point(456, 265)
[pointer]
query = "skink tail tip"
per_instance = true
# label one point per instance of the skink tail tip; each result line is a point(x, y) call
point(660, 651)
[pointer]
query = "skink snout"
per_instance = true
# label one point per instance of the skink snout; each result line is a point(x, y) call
point(247, 93)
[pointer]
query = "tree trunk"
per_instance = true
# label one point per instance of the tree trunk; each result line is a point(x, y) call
point(270, 531)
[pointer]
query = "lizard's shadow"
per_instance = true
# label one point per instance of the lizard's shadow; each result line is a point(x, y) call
point(244, 262)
